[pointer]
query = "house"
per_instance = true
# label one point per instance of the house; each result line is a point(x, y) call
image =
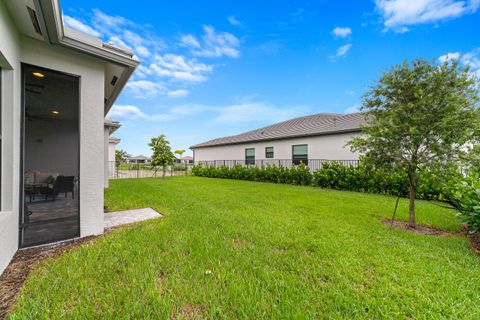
point(109, 152)
point(112, 148)
point(139, 159)
point(57, 85)
point(186, 159)
point(312, 138)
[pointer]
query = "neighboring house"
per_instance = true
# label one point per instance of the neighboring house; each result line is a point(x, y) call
point(112, 148)
point(186, 159)
point(319, 136)
point(56, 87)
point(139, 159)
point(109, 152)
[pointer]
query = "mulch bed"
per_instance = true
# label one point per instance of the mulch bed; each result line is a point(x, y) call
point(24, 261)
point(418, 229)
point(473, 237)
point(475, 241)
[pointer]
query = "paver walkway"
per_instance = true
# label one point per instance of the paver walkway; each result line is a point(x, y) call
point(118, 218)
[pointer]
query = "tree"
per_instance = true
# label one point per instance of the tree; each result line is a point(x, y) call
point(121, 156)
point(162, 154)
point(179, 152)
point(420, 115)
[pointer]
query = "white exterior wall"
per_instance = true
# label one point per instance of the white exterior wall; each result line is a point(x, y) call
point(11, 98)
point(111, 151)
point(329, 147)
point(106, 168)
point(91, 72)
point(13, 51)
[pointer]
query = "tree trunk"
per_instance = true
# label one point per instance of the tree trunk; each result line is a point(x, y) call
point(163, 172)
point(411, 178)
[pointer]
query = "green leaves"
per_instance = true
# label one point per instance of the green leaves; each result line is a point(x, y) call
point(467, 199)
point(297, 175)
point(121, 156)
point(420, 114)
point(162, 154)
point(334, 175)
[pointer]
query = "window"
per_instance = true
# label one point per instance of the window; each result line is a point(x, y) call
point(250, 156)
point(300, 154)
point(269, 152)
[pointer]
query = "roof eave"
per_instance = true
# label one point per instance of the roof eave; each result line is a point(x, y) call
point(278, 138)
point(56, 35)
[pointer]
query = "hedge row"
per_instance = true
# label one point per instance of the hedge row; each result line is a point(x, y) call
point(332, 175)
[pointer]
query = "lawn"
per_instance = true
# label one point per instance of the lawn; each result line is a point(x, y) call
point(237, 249)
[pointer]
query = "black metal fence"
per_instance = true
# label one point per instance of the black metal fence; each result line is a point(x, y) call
point(121, 170)
point(313, 164)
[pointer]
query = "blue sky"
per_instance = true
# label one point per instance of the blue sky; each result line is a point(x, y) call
point(217, 68)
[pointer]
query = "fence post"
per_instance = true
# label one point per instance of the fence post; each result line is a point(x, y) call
point(137, 169)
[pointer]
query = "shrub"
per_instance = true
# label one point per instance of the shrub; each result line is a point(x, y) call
point(466, 198)
point(334, 175)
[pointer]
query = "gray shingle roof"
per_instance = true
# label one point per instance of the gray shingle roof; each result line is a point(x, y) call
point(313, 125)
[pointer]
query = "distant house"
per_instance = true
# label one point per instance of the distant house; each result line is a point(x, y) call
point(109, 148)
point(322, 136)
point(112, 148)
point(139, 159)
point(187, 159)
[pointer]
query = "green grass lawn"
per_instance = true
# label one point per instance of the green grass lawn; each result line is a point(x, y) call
point(237, 249)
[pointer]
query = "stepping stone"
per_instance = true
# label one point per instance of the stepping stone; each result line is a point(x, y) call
point(119, 218)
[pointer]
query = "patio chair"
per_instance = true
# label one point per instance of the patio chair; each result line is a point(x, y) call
point(64, 184)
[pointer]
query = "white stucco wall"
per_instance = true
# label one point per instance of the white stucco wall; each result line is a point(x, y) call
point(13, 51)
point(330, 147)
point(91, 72)
point(111, 151)
point(106, 135)
point(10, 104)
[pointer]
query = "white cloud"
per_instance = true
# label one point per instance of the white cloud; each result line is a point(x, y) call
point(254, 112)
point(144, 88)
point(339, 32)
point(190, 41)
point(178, 93)
point(213, 45)
point(162, 72)
point(142, 72)
point(449, 56)
point(471, 58)
point(399, 14)
point(189, 109)
point(234, 21)
point(343, 50)
point(353, 109)
point(107, 23)
point(80, 26)
point(179, 68)
point(232, 115)
point(125, 112)
point(131, 112)
point(142, 51)
point(127, 34)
